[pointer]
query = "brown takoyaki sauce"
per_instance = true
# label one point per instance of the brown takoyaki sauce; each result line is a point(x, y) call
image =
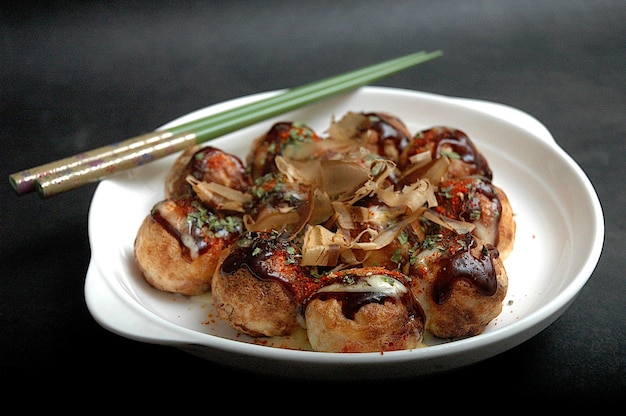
point(193, 225)
point(389, 129)
point(459, 198)
point(274, 142)
point(276, 191)
point(352, 301)
point(442, 139)
point(461, 264)
point(269, 256)
point(210, 164)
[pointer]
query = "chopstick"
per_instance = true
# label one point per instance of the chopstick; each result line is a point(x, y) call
point(72, 172)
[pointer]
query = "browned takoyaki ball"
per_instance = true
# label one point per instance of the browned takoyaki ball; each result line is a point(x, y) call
point(177, 245)
point(282, 138)
point(380, 133)
point(259, 285)
point(460, 282)
point(277, 202)
point(368, 309)
point(465, 158)
point(206, 164)
point(391, 256)
point(478, 201)
point(376, 217)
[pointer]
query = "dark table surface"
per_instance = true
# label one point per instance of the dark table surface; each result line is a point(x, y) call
point(76, 76)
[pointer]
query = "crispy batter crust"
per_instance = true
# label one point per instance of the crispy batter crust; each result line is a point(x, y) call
point(175, 183)
point(506, 227)
point(158, 255)
point(351, 321)
point(375, 327)
point(253, 306)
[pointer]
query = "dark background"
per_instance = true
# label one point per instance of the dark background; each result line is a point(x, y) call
point(75, 76)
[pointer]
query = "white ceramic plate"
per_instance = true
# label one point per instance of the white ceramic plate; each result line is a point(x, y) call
point(560, 232)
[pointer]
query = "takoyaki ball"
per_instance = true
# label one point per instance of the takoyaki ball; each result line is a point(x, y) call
point(375, 218)
point(178, 244)
point(206, 164)
point(277, 203)
point(460, 281)
point(380, 133)
point(391, 256)
point(476, 200)
point(465, 158)
point(367, 309)
point(282, 138)
point(259, 286)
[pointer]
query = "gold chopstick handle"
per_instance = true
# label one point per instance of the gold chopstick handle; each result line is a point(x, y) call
point(159, 145)
point(25, 181)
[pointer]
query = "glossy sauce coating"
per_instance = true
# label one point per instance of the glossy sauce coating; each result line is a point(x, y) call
point(210, 164)
point(353, 300)
point(474, 200)
point(268, 256)
point(391, 134)
point(206, 164)
point(273, 191)
point(463, 265)
point(451, 259)
point(276, 141)
point(193, 225)
point(452, 143)
point(458, 198)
